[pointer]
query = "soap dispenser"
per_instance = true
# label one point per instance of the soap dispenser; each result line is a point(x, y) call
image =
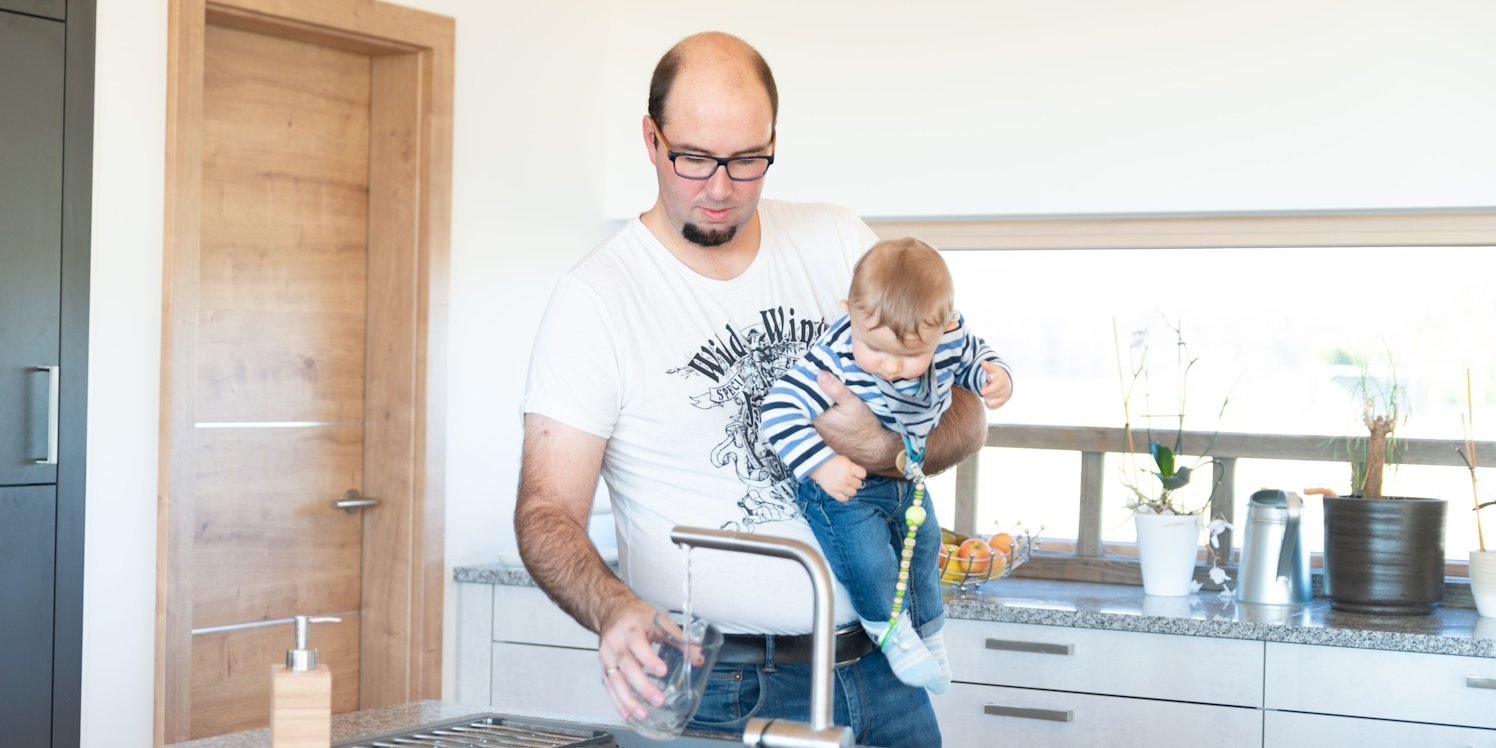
point(301, 694)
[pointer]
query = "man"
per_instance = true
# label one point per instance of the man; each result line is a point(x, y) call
point(648, 370)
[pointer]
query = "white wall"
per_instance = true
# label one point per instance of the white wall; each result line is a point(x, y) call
point(124, 350)
point(1103, 113)
point(961, 107)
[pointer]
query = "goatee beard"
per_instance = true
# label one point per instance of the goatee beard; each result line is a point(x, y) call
point(695, 235)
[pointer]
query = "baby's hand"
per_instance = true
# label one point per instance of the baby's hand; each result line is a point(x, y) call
point(999, 386)
point(839, 477)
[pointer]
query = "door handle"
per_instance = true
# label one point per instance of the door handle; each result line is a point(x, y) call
point(52, 383)
point(352, 501)
point(1049, 715)
point(1480, 681)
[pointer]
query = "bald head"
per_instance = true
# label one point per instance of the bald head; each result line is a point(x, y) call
point(712, 56)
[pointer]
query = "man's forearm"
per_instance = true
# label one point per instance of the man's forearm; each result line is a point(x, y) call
point(851, 429)
point(877, 454)
point(961, 432)
point(562, 560)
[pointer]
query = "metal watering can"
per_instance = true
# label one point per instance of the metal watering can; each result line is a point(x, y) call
point(1274, 562)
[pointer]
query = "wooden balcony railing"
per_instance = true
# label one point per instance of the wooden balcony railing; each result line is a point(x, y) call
point(1093, 443)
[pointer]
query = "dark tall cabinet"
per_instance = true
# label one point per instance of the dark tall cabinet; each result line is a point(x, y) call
point(46, 136)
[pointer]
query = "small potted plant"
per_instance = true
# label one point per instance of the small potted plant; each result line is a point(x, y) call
point(1482, 561)
point(1383, 554)
point(1168, 531)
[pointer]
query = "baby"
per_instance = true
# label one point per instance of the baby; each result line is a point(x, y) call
point(901, 348)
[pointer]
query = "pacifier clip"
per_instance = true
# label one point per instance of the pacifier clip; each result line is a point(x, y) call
point(914, 516)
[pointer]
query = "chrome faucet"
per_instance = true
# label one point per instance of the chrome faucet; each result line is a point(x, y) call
point(778, 733)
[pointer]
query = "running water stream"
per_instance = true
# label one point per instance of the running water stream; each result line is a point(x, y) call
point(686, 626)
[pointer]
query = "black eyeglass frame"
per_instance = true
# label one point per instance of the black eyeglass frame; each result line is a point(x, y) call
point(722, 163)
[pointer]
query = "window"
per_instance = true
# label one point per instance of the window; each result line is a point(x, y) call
point(1276, 308)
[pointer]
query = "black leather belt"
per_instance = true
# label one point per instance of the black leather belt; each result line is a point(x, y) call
point(850, 644)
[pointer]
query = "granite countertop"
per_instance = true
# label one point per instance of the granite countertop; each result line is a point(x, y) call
point(381, 721)
point(1451, 631)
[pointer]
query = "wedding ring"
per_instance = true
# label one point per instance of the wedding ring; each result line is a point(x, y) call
point(610, 671)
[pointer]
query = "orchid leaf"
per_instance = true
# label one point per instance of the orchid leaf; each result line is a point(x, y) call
point(1164, 458)
point(1178, 480)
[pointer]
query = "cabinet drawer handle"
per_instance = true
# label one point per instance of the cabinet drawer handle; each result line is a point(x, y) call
point(1480, 681)
point(52, 383)
point(1051, 715)
point(1011, 645)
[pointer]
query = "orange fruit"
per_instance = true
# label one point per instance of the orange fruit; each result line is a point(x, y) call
point(1001, 542)
point(999, 563)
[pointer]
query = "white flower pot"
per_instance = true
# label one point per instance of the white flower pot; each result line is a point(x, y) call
point(1485, 628)
point(1167, 545)
point(1483, 582)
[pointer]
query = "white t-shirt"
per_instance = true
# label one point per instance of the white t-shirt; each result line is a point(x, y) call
point(670, 368)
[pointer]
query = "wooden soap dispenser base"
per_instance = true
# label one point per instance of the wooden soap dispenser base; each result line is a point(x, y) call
point(301, 695)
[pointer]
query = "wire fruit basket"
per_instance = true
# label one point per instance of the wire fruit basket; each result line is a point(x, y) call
point(967, 565)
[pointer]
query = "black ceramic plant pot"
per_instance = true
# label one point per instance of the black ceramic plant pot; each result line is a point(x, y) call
point(1384, 555)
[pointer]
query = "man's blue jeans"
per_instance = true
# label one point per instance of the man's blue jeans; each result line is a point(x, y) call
point(866, 697)
point(862, 540)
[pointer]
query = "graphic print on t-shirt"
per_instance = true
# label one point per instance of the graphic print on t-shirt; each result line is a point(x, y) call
point(737, 367)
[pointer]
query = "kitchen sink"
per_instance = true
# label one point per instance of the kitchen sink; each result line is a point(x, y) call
point(489, 731)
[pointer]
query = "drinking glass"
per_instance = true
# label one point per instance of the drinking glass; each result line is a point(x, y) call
point(688, 662)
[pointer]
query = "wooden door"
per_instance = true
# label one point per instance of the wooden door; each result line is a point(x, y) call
point(307, 205)
point(280, 374)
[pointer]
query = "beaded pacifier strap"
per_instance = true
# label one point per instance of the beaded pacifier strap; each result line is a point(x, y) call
point(914, 516)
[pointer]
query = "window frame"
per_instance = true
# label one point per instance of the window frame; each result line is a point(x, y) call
point(1086, 558)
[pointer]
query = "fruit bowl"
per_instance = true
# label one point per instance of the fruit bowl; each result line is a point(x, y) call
point(969, 563)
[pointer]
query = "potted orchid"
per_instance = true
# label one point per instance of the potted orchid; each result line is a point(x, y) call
point(1168, 528)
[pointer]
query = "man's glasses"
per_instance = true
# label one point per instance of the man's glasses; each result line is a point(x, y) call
point(701, 167)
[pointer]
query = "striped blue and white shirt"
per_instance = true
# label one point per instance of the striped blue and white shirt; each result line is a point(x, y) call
point(911, 411)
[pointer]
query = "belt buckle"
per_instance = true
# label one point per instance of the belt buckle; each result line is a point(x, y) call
point(854, 652)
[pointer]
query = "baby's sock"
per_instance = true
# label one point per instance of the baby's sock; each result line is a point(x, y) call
point(935, 643)
point(907, 656)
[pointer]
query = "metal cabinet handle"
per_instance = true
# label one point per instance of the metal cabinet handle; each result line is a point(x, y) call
point(1011, 645)
point(1480, 681)
point(1050, 715)
point(352, 501)
point(52, 382)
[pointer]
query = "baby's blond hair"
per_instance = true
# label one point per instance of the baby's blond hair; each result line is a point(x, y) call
point(903, 284)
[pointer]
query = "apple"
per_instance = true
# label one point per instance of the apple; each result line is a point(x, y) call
point(977, 556)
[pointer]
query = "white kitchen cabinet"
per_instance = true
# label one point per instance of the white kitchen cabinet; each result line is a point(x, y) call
point(973, 715)
point(524, 615)
point(1117, 663)
point(558, 682)
point(1058, 684)
point(1084, 687)
point(1295, 730)
point(517, 651)
point(1438, 689)
point(474, 666)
